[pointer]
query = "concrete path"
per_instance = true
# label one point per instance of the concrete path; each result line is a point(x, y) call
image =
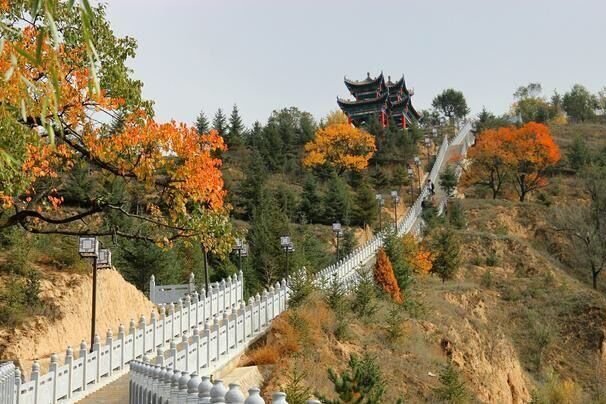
point(114, 393)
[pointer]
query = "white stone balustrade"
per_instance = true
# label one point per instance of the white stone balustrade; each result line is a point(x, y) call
point(158, 384)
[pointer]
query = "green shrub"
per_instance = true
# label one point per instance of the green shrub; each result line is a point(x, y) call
point(452, 389)
point(362, 382)
point(300, 287)
point(364, 294)
point(394, 322)
point(492, 259)
point(295, 388)
point(486, 280)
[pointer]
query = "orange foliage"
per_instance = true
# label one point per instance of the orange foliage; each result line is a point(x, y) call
point(53, 94)
point(523, 153)
point(385, 278)
point(340, 146)
point(419, 258)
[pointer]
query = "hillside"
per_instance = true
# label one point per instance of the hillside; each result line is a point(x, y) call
point(520, 322)
point(66, 318)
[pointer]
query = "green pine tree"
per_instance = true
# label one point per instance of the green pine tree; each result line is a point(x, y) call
point(337, 201)
point(446, 250)
point(452, 388)
point(235, 131)
point(202, 124)
point(252, 186)
point(397, 255)
point(448, 180)
point(311, 201)
point(365, 209)
point(268, 223)
point(220, 122)
point(361, 383)
point(365, 293)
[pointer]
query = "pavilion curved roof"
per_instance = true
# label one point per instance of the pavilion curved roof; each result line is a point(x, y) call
point(380, 99)
point(367, 82)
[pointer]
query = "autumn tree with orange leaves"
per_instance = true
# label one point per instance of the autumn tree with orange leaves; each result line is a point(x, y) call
point(385, 278)
point(519, 156)
point(489, 161)
point(70, 111)
point(341, 147)
point(532, 152)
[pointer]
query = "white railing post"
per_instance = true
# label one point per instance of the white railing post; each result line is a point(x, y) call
point(35, 377)
point(97, 348)
point(154, 327)
point(122, 339)
point(152, 289)
point(52, 368)
point(133, 331)
point(109, 341)
point(69, 361)
point(83, 355)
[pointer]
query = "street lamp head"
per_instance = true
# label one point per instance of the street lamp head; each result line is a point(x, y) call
point(285, 241)
point(417, 160)
point(336, 227)
point(410, 172)
point(244, 250)
point(434, 132)
point(104, 260)
point(291, 247)
point(88, 247)
point(378, 197)
point(239, 243)
point(394, 194)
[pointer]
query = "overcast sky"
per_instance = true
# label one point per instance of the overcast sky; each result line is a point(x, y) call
point(268, 54)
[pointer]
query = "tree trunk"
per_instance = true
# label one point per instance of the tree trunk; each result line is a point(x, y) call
point(594, 279)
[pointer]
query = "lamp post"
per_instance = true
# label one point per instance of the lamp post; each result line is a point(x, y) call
point(412, 180)
point(336, 228)
point(380, 203)
point(418, 164)
point(242, 250)
point(396, 199)
point(288, 247)
point(88, 247)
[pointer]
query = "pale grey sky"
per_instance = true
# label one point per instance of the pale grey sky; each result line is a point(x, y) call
point(268, 54)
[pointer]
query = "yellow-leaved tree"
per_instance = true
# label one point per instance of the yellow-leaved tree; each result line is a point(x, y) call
point(341, 147)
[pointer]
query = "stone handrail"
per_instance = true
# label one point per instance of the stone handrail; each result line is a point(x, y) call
point(94, 368)
point(219, 342)
point(8, 375)
point(160, 384)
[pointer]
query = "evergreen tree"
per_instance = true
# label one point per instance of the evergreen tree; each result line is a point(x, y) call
point(365, 210)
point(252, 186)
point(365, 293)
point(202, 124)
point(452, 389)
point(235, 130)
point(578, 154)
point(311, 201)
point(220, 122)
point(361, 383)
point(446, 250)
point(337, 202)
point(254, 135)
point(397, 255)
point(267, 225)
point(448, 180)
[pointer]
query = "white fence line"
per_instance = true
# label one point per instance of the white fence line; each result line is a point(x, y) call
point(160, 384)
point(94, 368)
